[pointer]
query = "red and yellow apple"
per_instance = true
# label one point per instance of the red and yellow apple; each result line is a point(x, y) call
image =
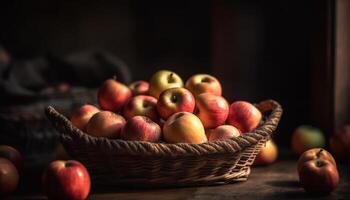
point(8, 177)
point(307, 137)
point(81, 116)
point(175, 100)
point(113, 95)
point(318, 176)
point(313, 154)
point(105, 124)
point(163, 80)
point(267, 155)
point(141, 105)
point(66, 180)
point(340, 144)
point(223, 132)
point(203, 83)
point(184, 127)
point(13, 155)
point(139, 87)
point(141, 128)
point(212, 110)
point(244, 116)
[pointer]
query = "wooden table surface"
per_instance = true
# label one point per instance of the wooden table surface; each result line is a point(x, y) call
point(277, 181)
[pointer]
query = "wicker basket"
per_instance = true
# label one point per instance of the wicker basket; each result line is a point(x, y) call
point(125, 163)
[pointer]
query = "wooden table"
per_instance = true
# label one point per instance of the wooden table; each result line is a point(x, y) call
point(277, 181)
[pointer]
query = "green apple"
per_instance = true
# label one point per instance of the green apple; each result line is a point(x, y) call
point(163, 80)
point(307, 137)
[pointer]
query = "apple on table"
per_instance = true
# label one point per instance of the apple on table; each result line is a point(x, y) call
point(306, 137)
point(13, 155)
point(9, 177)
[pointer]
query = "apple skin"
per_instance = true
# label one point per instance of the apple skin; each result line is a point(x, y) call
point(212, 110)
point(307, 137)
point(244, 116)
point(318, 176)
point(267, 155)
point(163, 80)
point(13, 155)
point(184, 127)
point(106, 124)
point(315, 153)
point(223, 132)
point(203, 83)
point(141, 128)
point(8, 177)
point(66, 180)
point(340, 144)
point(113, 95)
point(175, 100)
point(81, 116)
point(139, 87)
point(141, 105)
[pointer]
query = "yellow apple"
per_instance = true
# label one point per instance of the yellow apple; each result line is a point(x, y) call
point(163, 80)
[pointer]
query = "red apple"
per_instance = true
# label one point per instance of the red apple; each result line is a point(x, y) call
point(184, 127)
point(8, 177)
point(223, 132)
point(267, 155)
point(113, 95)
point(340, 144)
point(318, 176)
point(139, 87)
point(316, 153)
point(105, 124)
point(13, 155)
point(81, 116)
point(163, 80)
point(66, 180)
point(212, 110)
point(175, 100)
point(244, 116)
point(203, 83)
point(141, 128)
point(141, 105)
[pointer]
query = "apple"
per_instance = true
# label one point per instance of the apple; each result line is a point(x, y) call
point(13, 155)
point(340, 144)
point(244, 116)
point(105, 124)
point(8, 177)
point(113, 95)
point(81, 116)
point(163, 80)
point(175, 100)
point(66, 180)
point(212, 110)
point(267, 155)
point(318, 176)
point(184, 127)
point(141, 105)
point(315, 153)
point(307, 137)
point(223, 132)
point(139, 87)
point(141, 128)
point(203, 83)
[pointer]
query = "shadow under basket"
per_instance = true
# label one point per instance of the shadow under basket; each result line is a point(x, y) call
point(144, 164)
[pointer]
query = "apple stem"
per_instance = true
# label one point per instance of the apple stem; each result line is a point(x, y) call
point(319, 153)
point(170, 78)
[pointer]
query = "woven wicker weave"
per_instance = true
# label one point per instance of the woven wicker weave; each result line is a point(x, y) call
point(125, 163)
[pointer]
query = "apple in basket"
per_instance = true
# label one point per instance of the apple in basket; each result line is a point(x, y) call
point(66, 180)
point(184, 127)
point(223, 132)
point(305, 138)
point(81, 116)
point(175, 100)
point(141, 105)
point(141, 128)
point(13, 155)
point(244, 116)
point(113, 95)
point(267, 155)
point(106, 124)
point(203, 83)
point(340, 144)
point(139, 87)
point(316, 153)
point(163, 80)
point(212, 110)
point(8, 177)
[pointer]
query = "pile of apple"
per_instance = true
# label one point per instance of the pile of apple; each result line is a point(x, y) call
point(166, 110)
